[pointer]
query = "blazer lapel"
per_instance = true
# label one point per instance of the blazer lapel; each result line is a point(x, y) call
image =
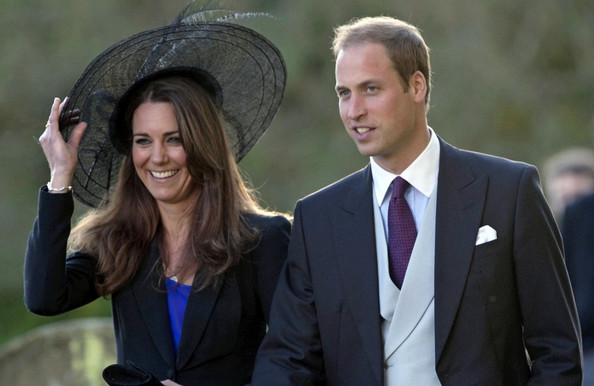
point(460, 202)
point(354, 237)
point(198, 311)
point(151, 298)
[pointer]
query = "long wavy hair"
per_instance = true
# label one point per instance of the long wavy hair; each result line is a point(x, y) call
point(121, 231)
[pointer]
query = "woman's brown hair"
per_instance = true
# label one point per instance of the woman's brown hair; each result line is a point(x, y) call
point(120, 232)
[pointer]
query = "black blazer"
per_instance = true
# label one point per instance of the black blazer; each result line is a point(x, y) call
point(223, 326)
point(492, 302)
point(578, 236)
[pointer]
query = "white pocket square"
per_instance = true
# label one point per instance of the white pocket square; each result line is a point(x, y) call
point(485, 234)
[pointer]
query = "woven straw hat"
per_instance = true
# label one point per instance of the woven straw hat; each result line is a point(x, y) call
point(246, 71)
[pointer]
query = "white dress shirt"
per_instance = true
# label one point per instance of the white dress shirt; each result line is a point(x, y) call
point(421, 175)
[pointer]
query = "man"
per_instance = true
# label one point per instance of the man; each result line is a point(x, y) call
point(568, 176)
point(578, 237)
point(485, 298)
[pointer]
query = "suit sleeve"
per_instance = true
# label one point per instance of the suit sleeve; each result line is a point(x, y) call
point(551, 327)
point(55, 284)
point(291, 353)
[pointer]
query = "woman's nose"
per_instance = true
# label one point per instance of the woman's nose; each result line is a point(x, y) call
point(159, 154)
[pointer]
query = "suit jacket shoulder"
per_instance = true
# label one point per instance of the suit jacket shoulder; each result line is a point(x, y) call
point(348, 193)
point(479, 163)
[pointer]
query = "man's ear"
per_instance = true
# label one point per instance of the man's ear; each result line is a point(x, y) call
point(418, 86)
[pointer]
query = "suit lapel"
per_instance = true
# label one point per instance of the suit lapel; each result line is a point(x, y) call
point(354, 239)
point(460, 202)
point(151, 296)
point(198, 311)
point(152, 302)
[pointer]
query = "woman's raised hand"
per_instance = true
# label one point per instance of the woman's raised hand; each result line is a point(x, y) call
point(61, 156)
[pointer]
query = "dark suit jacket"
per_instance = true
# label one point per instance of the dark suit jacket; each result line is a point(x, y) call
point(490, 300)
point(222, 329)
point(578, 236)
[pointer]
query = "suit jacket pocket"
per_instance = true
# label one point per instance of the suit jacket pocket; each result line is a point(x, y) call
point(493, 272)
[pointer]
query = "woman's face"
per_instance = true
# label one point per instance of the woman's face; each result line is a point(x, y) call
point(158, 155)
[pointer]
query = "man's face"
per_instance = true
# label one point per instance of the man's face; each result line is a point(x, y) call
point(385, 121)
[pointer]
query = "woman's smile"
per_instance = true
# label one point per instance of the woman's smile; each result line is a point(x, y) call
point(158, 154)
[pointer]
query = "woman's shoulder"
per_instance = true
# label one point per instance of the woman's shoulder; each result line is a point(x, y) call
point(269, 249)
point(268, 221)
point(273, 231)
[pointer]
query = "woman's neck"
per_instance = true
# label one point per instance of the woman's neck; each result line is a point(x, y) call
point(175, 228)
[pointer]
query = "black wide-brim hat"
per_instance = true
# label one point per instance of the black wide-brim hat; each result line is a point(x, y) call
point(245, 70)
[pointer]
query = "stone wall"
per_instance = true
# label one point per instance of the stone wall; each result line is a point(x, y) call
point(69, 353)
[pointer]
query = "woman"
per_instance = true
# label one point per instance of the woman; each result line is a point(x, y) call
point(187, 256)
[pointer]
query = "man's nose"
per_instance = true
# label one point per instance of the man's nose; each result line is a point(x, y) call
point(356, 108)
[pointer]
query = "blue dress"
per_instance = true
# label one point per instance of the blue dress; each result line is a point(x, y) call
point(177, 300)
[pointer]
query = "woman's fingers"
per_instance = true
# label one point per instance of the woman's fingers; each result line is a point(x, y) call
point(77, 135)
point(61, 156)
point(53, 120)
point(69, 117)
point(52, 124)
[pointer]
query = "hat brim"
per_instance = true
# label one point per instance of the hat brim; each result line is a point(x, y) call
point(248, 68)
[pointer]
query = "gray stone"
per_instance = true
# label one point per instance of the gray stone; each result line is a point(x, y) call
point(67, 353)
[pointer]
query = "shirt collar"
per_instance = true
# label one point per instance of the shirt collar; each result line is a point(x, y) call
point(421, 173)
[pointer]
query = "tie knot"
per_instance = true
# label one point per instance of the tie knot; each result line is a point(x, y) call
point(399, 186)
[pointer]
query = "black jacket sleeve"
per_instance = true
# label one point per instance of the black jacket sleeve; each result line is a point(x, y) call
point(53, 282)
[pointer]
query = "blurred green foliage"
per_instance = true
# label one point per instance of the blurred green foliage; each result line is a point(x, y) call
point(510, 78)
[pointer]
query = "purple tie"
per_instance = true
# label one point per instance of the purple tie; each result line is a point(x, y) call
point(401, 231)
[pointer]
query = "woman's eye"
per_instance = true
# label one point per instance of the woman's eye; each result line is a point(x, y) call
point(141, 141)
point(174, 140)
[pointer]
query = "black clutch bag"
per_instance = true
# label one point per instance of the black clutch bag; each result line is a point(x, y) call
point(132, 375)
